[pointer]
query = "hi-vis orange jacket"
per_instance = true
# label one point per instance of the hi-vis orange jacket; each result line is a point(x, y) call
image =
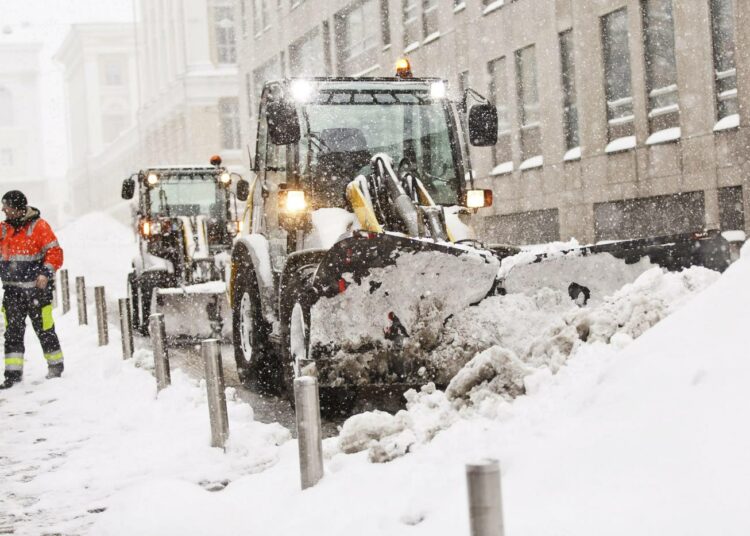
point(28, 249)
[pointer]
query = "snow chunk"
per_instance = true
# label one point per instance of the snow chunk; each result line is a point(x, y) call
point(498, 368)
point(572, 154)
point(664, 136)
point(532, 163)
point(363, 431)
point(502, 169)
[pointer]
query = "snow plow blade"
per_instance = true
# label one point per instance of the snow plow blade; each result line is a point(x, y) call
point(380, 301)
point(594, 272)
point(195, 312)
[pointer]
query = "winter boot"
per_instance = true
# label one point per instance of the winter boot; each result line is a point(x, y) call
point(11, 378)
point(55, 371)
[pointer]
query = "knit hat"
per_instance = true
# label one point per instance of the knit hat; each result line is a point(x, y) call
point(15, 199)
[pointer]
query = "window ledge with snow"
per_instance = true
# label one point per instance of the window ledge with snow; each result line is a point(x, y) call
point(430, 38)
point(494, 6)
point(532, 163)
point(572, 154)
point(502, 169)
point(460, 7)
point(620, 144)
point(411, 47)
point(664, 136)
point(727, 123)
point(386, 47)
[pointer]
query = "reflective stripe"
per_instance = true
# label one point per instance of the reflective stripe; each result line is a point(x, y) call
point(47, 321)
point(5, 318)
point(31, 227)
point(24, 258)
point(55, 357)
point(13, 363)
point(14, 354)
point(19, 284)
point(51, 245)
point(50, 267)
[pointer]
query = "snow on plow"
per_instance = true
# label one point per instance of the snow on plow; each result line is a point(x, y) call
point(195, 312)
point(382, 303)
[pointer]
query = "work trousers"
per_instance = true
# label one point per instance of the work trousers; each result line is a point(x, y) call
point(18, 303)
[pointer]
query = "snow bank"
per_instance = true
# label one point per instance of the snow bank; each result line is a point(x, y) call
point(101, 249)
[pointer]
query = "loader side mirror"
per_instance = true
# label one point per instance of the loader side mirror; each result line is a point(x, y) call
point(243, 189)
point(283, 123)
point(128, 188)
point(483, 125)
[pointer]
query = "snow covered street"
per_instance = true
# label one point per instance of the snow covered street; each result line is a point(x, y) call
point(602, 424)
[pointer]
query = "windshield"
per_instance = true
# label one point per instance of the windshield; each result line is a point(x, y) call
point(342, 130)
point(186, 196)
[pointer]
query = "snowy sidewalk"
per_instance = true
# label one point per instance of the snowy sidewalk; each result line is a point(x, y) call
point(68, 444)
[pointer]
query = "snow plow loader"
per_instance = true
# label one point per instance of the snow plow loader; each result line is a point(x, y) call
point(357, 242)
point(185, 224)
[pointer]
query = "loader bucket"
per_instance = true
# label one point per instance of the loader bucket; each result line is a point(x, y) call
point(380, 303)
point(195, 312)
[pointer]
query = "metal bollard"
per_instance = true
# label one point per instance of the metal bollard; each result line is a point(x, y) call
point(81, 296)
point(159, 344)
point(65, 291)
point(309, 435)
point(485, 498)
point(217, 401)
point(101, 316)
point(126, 328)
point(55, 301)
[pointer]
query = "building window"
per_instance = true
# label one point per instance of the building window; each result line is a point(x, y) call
point(307, 55)
point(410, 18)
point(617, 82)
point(6, 108)
point(358, 33)
point(528, 102)
point(269, 71)
point(243, 17)
point(114, 73)
point(498, 71)
point(385, 24)
point(6, 157)
point(570, 103)
point(661, 68)
point(223, 17)
point(261, 20)
point(722, 28)
point(429, 17)
point(731, 209)
point(229, 115)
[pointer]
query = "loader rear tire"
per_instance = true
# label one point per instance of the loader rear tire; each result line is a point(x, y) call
point(252, 350)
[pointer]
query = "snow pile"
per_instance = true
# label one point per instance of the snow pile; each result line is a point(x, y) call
point(99, 248)
point(508, 344)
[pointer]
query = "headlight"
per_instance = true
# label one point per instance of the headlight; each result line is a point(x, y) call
point(225, 178)
point(478, 198)
point(152, 179)
point(437, 90)
point(234, 227)
point(295, 201)
point(301, 90)
point(145, 228)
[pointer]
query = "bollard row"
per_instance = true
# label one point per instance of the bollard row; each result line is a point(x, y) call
point(159, 344)
point(309, 434)
point(217, 401)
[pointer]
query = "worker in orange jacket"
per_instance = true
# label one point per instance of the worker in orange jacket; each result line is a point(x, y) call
point(29, 258)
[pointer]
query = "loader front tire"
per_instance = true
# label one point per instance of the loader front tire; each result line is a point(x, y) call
point(250, 336)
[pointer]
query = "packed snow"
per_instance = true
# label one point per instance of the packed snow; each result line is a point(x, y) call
point(621, 417)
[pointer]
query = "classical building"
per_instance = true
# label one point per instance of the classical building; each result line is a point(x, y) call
point(21, 157)
point(618, 118)
point(188, 82)
point(102, 101)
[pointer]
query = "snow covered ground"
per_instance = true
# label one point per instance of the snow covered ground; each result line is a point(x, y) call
point(596, 432)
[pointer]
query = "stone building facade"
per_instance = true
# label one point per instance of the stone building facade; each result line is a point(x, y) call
point(618, 118)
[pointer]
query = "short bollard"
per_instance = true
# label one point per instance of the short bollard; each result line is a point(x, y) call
point(81, 296)
point(217, 401)
point(101, 316)
point(65, 291)
point(309, 435)
point(159, 344)
point(126, 328)
point(485, 498)
point(55, 300)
